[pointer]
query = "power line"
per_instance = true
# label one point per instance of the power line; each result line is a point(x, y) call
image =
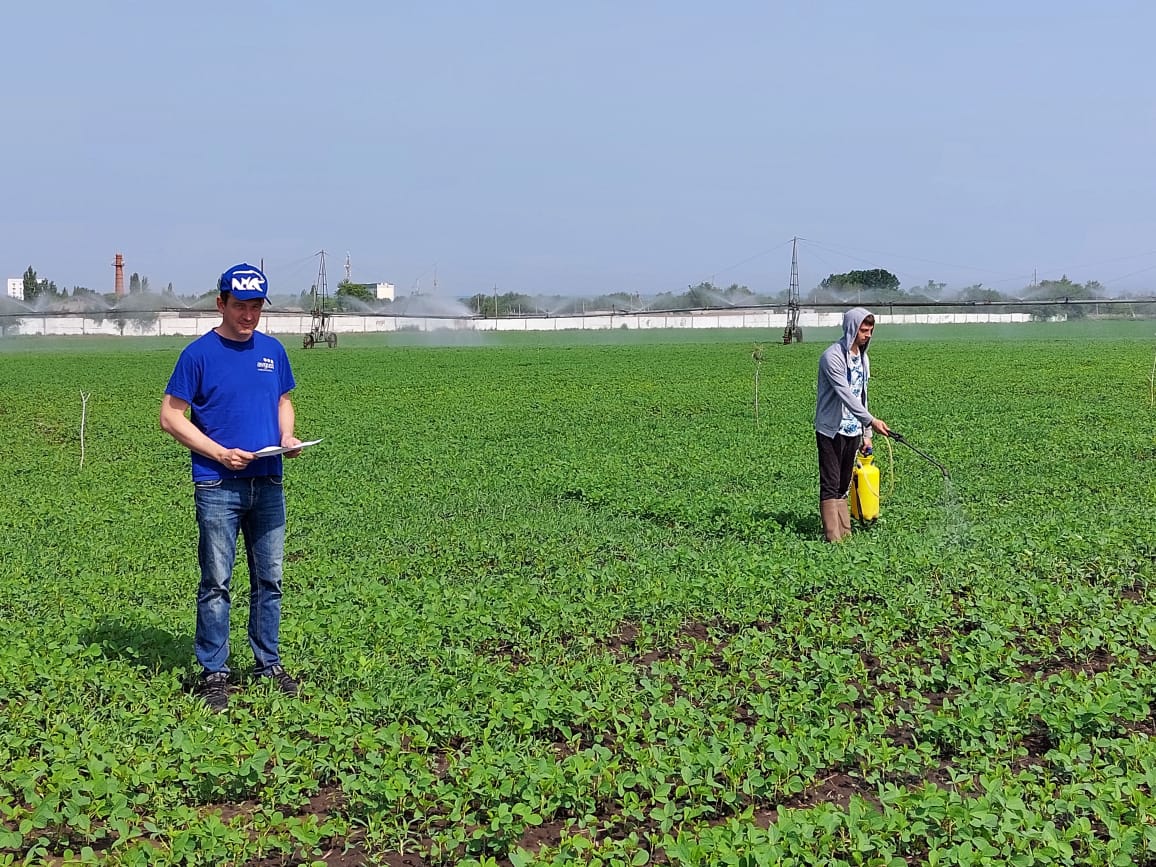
point(1109, 262)
point(718, 271)
point(1131, 274)
point(835, 249)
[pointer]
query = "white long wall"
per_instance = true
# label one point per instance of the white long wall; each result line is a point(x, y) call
point(166, 324)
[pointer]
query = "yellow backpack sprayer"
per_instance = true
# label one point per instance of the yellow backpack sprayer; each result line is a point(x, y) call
point(865, 488)
point(865, 481)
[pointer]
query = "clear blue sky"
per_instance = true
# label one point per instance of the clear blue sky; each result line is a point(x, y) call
point(580, 148)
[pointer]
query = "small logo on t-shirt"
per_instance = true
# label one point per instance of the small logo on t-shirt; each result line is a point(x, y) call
point(265, 364)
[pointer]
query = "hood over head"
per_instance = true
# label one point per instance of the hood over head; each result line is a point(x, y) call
point(852, 319)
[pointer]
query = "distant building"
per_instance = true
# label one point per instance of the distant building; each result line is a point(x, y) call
point(385, 291)
point(16, 288)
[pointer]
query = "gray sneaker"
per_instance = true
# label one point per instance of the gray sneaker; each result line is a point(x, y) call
point(281, 679)
point(214, 690)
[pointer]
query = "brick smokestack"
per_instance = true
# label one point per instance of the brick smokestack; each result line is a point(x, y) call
point(118, 263)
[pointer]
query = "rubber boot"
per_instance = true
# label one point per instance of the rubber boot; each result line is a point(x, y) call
point(844, 518)
point(829, 510)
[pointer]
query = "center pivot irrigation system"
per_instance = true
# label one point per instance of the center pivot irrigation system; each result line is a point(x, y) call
point(793, 333)
point(320, 331)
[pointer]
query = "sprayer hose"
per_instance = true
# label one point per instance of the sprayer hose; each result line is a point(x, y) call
point(890, 469)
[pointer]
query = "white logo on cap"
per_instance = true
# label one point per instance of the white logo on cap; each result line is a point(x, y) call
point(248, 284)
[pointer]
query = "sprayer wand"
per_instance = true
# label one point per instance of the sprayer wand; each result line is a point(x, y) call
point(898, 437)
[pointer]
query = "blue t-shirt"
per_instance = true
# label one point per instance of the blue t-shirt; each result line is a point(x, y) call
point(234, 389)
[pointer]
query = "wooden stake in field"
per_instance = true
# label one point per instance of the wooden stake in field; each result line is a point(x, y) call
point(1152, 384)
point(757, 356)
point(83, 415)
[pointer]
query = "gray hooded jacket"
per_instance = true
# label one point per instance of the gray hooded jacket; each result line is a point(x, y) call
point(834, 381)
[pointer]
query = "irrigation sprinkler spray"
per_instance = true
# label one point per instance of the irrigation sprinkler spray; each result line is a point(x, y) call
point(898, 437)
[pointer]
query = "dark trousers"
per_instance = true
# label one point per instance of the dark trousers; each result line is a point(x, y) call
point(836, 463)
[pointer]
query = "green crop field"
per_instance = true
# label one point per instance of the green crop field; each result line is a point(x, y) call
point(562, 599)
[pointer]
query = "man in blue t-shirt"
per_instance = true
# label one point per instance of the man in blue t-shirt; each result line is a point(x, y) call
point(228, 397)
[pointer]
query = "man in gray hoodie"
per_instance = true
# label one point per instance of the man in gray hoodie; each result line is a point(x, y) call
point(842, 422)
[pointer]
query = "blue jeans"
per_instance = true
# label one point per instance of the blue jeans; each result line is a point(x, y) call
point(256, 508)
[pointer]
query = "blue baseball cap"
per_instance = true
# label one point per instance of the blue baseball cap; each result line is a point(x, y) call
point(244, 282)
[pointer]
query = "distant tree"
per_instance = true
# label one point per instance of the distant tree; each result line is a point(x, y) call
point(506, 304)
point(207, 300)
point(618, 302)
point(1064, 290)
point(31, 284)
point(702, 295)
point(979, 293)
point(169, 288)
point(355, 290)
point(707, 295)
point(144, 284)
point(35, 287)
point(134, 283)
point(478, 304)
point(932, 291)
point(516, 304)
point(80, 291)
point(737, 294)
point(668, 301)
point(883, 282)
